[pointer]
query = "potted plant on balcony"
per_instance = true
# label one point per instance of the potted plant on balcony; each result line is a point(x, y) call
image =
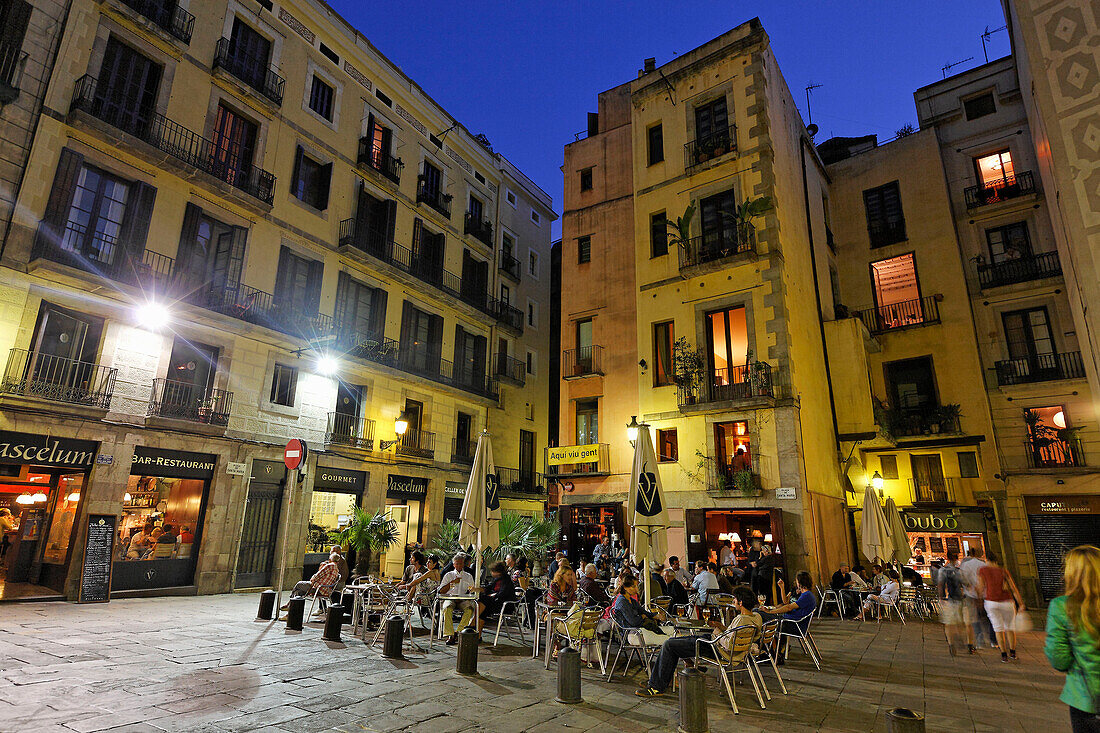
point(946, 418)
point(742, 216)
point(679, 230)
point(688, 367)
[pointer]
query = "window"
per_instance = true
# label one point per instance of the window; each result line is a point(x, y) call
point(535, 217)
point(385, 99)
point(968, 464)
point(911, 384)
point(126, 93)
point(712, 124)
point(478, 177)
point(995, 170)
point(732, 453)
point(720, 235)
point(1009, 242)
point(96, 216)
point(586, 179)
point(532, 315)
point(321, 98)
point(658, 235)
point(511, 198)
point(505, 294)
point(885, 221)
point(588, 422)
point(1047, 445)
point(234, 144)
point(250, 53)
point(656, 144)
point(14, 17)
point(533, 263)
point(310, 180)
point(727, 346)
point(328, 53)
point(476, 209)
point(667, 448)
point(663, 338)
point(584, 249)
point(897, 292)
point(284, 383)
point(889, 466)
point(1031, 348)
point(432, 180)
point(297, 286)
point(980, 106)
point(531, 363)
point(438, 142)
point(929, 485)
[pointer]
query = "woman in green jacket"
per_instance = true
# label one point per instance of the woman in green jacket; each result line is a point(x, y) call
point(1073, 638)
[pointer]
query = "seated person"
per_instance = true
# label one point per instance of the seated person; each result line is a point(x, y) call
point(794, 608)
point(878, 577)
point(726, 581)
point(141, 542)
point(631, 614)
point(425, 576)
point(592, 589)
point(497, 591)
point(887, 595)
point(912, 576)
point(322, 582)
point(656, 581)
point(705, 581)
point(683, 647)
point(457, 582)
point(563, 588)
point(675, 589)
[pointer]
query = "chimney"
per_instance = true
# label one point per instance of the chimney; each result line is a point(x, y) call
point(649, 65)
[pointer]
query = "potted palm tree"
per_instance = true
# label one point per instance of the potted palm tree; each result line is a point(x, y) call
point(366, 534)
point(688, 367)
point(743, 215)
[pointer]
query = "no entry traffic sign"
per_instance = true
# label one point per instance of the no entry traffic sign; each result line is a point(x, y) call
point(295, 453)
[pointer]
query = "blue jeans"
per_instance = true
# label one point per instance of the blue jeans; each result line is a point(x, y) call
point(672, 651)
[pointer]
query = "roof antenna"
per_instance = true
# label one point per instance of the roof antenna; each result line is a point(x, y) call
point(985, 39)
point(948, 66)
point(809, 88)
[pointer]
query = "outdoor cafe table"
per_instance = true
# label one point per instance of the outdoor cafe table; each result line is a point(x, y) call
point(688, 626)
point(368, 596)
point(554, 612)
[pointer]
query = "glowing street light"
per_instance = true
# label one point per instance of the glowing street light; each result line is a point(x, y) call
point(327, 365)
point(153, 315)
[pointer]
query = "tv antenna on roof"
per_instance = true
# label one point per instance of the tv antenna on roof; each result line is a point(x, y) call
point(948, 66)
point(809, 88)
point(985, 39)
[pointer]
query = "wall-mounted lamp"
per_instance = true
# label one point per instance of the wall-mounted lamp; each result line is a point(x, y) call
point(767, 538)
point(400, 426)
point(632, 429)
point(327, 364)
point(153, 315)
point(24, 499)
point(876, 483)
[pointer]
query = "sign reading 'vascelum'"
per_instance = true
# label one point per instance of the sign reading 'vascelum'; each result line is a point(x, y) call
point(401, 486)
point(572, 454)
point(46, 450)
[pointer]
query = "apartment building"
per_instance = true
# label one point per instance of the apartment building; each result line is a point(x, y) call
point(239, 224)
point(729, 369)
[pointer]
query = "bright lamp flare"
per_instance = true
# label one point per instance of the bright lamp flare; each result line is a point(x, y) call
point(153, 315)
point(24, 499)
point(327, 365)
point(73, 497)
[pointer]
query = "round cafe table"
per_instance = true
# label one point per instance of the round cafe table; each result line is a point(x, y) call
point(553, 612)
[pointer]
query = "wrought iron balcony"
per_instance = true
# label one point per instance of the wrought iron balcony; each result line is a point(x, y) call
point(481, 229)
point(254, 72)
point(511, 368)
point(995, 192)
point(505, 313)
point(517, 481)
point(600, 467)
point(104, 255)
point(261, 308)
point(509, 265)
point(463, 451)
point(585, 361)
point(374, 157)
point(883, 233)
point(934, 490)
point(183, 401)
point(909, 422)
point(433, 197)
point(897, 316)
point(715, 146)
point(12, 61)
point(350, 430)
point(1054, 452)
point(168, 15)
point(417, 444)
point(1023, 269)
point(56, 379)
point(176, 140)
point(717, 245)
point(746, 382)
point(1040, 368)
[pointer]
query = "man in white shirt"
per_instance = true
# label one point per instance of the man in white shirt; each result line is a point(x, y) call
point(705, 580)
point(975, 608)
point(887, 596)
point(682, 574)
point(458, 582)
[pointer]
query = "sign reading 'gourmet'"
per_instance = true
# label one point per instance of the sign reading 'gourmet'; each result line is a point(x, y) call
point(568, 454)
point(46, 450)
point(172, 463)
point(339, 479)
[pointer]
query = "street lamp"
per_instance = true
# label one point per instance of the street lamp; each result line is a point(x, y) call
point(632, 429)
point(400, 426)
point(153, 315)
point(327, 364)
point(876, 483)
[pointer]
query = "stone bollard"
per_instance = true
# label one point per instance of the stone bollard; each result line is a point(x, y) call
point(569, 676)
point(904, 720)
point(333, 621)
point(267, 606)
point(467, 652)
point(395, 633)
point(295, 609)
point(693, 701)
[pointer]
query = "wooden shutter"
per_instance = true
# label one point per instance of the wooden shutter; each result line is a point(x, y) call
point(408, 321)
point(316, 278)
point(370, 136)
point(324, 184)
point(60, 201)
point(480, 345)
point(339, 311)
point(460, 354)
point(378, 312)
point(418, 234)
point(14, 17)
point(295, 182)
point(435, 341)
point(390, 207)
point(236, 258)
point(135, 224)
point(186, 268)
point(284, 279)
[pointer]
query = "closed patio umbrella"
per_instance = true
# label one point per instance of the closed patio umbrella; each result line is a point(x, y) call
point(478, 522)
point(646, 508)
point(874, 541)
point(898, 536)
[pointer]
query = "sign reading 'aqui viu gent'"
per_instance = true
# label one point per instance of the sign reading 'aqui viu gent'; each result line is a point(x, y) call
point(172, 463)
point(46, 450)
point(406, 485)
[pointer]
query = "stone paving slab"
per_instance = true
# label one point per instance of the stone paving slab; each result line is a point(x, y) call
point(204, 665)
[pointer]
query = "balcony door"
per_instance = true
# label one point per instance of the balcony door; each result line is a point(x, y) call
point(475, 279)
point(727, 353)
point(60, 364)
point(433, 181)
point(96, 218)
point(1007, 243)
point(1031, 344)
point(421, 340)
point(210, 258)
point(297, 286)
point(349, 406)
point(126, 91)
point(465, 445)
point(233, 145)
point(414, 413)
point(897, 292)
point(190, 378)
point(995, 170)
point(381, 142)
point(251, 52)
point(929, 484)
point(732, 451)
point(360, 312)
point(588, 422)
point(712, 123)
point(469, 363)
point(477, 210)
point(719, 229)
point(526, 458)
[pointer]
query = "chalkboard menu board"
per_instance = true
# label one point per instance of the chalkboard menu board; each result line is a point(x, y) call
point(99, 549)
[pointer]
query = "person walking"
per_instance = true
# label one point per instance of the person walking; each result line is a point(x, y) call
point(1073, 638)
point(951, 598)
point(1002, 600)
point(976, 616)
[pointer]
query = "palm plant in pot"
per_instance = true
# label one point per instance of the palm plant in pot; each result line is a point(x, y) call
point(742, 217)
point(688, 367)
point(369, 535)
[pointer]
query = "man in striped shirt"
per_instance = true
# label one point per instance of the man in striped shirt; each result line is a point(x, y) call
point(322, 582)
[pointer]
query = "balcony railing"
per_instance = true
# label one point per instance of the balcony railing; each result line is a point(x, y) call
point(463, 451)
point(506, 314)
point(582, 362)
point(600, 467)
point(934, 490)
point(926, 420)
point(481, 229)
point(897, 316)
point(167, 15)
point(717, 245)
point(716, 145)
point(12, 61)
point(883, 233)
point(743, 481)
point(53, 378)
point(254, 72)
point(1009, 187)
point(1040, 368)
point(511, 368)
point(178, 141)
point(1054, 453)
point(1024, 269)
point(433, 197)
point(515, 481)
point(350, 430)
point(417, 444)
point(509, 265)
point(103, 255)
point(372, 156)
point(261, 308)
point(183, 401)
point(746, 382)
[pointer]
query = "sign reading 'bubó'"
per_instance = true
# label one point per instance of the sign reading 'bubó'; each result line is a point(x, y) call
point(572, 454)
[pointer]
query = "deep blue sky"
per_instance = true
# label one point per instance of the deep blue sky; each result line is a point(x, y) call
point(526, 72)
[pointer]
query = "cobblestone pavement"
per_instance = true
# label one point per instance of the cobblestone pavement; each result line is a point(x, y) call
point(202, 664)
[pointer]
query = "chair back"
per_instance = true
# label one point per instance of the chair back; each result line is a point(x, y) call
point(739, 643)
point(768, 632)
point(163, 549)
point(589, 619)
point(662, 602)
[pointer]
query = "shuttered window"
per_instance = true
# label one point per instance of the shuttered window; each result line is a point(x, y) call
point(310, 180)
point(885, 221)
point(321, 98)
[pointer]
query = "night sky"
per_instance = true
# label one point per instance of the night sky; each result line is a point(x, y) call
point(526, 72)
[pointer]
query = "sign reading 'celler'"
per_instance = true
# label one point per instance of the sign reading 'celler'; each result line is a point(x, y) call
point(572, 454)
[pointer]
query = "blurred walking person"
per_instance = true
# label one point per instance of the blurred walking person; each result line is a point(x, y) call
point(951, 598)
point(1073, 638)
point(1002, 601)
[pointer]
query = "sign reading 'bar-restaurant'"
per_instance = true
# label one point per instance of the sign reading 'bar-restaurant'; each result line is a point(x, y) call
point(46, 450)
point(572, 454)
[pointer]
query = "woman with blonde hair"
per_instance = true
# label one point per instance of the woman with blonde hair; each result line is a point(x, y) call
point(563, 588)
point(1073, 638)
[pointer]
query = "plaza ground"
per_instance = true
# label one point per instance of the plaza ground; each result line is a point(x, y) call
point(203, 664)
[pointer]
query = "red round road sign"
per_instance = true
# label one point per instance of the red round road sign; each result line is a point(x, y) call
point(294, 454)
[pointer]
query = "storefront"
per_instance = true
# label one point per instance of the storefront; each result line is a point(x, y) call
point(1058, 524)
point(584, 526)
point(454, 494)
point(163, 507)
point(709, 529)
point(405, 500)
point(933, 534)
point(336, 494)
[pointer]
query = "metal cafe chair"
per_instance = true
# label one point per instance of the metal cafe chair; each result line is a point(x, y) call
point(515, 613)
point(731, 652)
point(766, 653)
point(633, 642)
point(800, 630)
point(910, 600)
point(320, 596)
point(827, 596)
point(585, 636)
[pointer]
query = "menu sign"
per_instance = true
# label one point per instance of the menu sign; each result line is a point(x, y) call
point(99, 548)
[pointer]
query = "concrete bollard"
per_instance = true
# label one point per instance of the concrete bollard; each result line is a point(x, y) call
point(467, 652)
point(295, 609)
point(693, 701)
point(395, 633)
point(569, 676)
point(333, 621)
point(267, 606)
point(904, 720)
